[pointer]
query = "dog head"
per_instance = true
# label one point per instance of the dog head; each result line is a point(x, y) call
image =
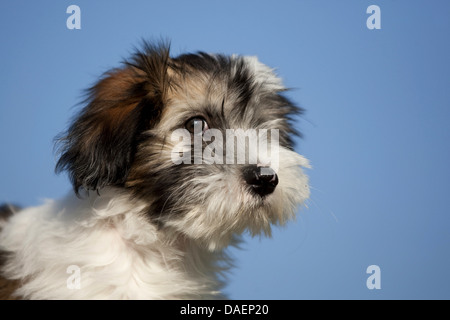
point(190, 136)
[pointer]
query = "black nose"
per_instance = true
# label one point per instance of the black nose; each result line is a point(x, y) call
point(262, 180)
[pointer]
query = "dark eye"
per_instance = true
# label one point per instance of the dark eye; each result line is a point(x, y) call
point(196, 125)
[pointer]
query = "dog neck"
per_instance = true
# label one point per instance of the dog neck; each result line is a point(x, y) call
point(103, 247)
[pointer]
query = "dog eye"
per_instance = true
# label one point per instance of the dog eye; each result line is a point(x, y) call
point(197, 125)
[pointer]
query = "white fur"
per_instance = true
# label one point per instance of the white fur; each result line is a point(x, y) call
point(120, 254)
point(264, 75)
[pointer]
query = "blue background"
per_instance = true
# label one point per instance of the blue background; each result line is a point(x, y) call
point(377, 127)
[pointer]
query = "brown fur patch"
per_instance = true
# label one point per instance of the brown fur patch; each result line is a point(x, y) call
point(99, 147)
point(7, 211)
point(7, 289)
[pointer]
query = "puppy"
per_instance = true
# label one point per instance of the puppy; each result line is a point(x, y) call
point(157, 197)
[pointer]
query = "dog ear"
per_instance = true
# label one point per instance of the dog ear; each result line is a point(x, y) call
point(99, 147)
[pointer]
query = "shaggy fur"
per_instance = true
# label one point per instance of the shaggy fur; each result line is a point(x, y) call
point(139, 226)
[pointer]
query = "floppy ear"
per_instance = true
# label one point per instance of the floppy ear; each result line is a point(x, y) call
point(99, 147)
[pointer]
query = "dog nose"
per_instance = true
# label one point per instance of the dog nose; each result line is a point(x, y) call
point(262, 180)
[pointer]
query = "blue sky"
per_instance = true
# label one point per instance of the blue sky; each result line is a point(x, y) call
point(376, 128)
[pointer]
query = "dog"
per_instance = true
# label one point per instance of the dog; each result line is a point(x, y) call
point(150, 216)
